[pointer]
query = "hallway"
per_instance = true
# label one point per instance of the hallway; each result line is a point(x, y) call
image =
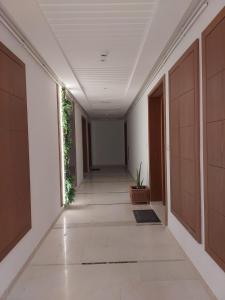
point(96, 251)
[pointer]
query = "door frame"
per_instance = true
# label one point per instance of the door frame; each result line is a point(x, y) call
point(161, 82)
point(84, 144)
point(89, 146)
point(125, 144)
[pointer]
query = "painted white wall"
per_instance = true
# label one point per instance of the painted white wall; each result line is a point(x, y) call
point(44, 160)
point(107, 143)
point(138, 148)
point(137, 136)
point(79, 112)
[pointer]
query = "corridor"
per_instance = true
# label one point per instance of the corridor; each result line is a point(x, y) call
point(96, 251)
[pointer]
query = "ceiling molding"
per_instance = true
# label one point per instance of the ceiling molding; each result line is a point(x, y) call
point(25, 43)
point(144, 39)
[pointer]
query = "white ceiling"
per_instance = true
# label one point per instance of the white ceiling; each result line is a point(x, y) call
point(86, 29)
point(71, 35)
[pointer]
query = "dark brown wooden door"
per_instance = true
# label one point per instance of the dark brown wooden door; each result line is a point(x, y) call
point(85, 147)
point(15, 207)
point(214, 143)
point(184, 141)
point(125, 144)
point(89, 145)
point(156, 142)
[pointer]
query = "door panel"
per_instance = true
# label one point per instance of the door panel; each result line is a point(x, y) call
point(89, 145)
point(15, 206)
point(215, 47)
point(187, 109)
point(214, 137)
point(85, 147)
point(215, 101)
point(184, 141)
point(156, 149)
point(125, 144)
point(176, 204)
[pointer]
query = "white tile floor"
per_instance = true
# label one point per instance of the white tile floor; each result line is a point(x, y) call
point(160, 210)
point(79, 258)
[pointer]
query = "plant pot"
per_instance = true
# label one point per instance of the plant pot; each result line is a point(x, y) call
point(140, 195)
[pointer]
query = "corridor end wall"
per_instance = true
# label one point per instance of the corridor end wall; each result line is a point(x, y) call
point(108, 143)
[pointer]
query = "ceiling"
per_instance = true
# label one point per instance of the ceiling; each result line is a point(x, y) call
point(102, 40)
point(102, 50)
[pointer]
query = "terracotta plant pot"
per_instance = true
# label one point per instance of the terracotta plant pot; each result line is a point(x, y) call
point(140, 196)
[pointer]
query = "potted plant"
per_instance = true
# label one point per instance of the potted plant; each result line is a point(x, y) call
point(139, 193)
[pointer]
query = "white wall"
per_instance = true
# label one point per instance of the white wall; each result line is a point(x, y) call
point(44, 160)
point(137, 136)
point(79, 112)
point(137, 141)
point(108, 143)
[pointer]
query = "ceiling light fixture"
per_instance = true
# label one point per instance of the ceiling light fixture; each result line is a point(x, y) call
point(105, 53)
point(104, 56)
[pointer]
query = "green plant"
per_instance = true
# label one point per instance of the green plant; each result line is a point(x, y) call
point(139, 182)
point(67, 139)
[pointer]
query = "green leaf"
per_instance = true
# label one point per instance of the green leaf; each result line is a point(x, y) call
point(139, 182)
point(67, 138)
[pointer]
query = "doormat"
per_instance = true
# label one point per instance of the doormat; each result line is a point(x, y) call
point(146, 216)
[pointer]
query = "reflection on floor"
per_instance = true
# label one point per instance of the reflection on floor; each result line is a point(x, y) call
point(96, 251)
point(160, 210)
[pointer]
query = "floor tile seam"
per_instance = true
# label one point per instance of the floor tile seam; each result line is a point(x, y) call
point(109, 175)
point(102, 225)
point(100, 263)
point(98, 204)
point(92, 225)
point(107, 181)
point(90, 193)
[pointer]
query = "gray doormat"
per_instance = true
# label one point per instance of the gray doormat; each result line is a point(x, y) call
point(146, 216)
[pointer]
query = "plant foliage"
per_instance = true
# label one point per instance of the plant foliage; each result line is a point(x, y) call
point(67, 138)
point(139, 181)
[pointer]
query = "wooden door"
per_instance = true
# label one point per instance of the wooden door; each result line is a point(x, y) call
point(214, 137)
point(184, 141)
point(15, 202)
point(156, 142)
point(89, 145)
point(85, 147)
point(125, 144)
